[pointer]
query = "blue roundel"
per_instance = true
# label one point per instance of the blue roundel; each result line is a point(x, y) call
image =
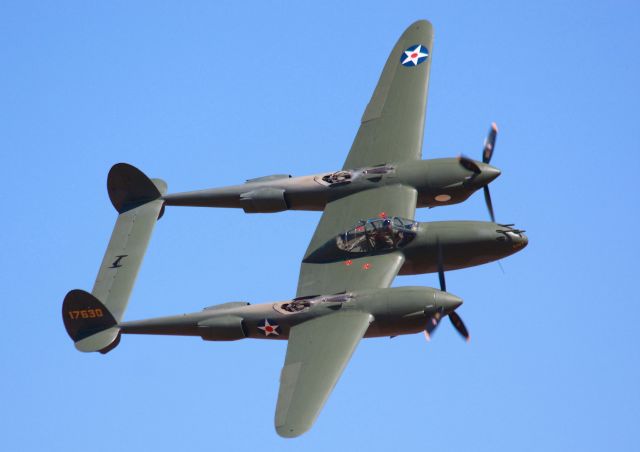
point(414, 55)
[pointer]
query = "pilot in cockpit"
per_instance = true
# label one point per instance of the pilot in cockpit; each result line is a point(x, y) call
point(382, 235)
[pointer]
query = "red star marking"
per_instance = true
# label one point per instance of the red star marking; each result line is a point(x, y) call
point(348, 262)
point(366, 266)
point(382, 215)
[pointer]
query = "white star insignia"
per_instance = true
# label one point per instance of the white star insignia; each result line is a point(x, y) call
point(412, 56)
point(269, 329)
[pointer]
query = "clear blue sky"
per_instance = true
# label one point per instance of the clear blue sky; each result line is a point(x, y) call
point(205, 94)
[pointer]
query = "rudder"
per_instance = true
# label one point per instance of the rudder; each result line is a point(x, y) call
point(88, 322)
point(128, 187)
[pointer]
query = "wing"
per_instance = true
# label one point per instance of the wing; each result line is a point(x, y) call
point(317, 353)
point(357, 274)
point(339, 216)
point(392, 125)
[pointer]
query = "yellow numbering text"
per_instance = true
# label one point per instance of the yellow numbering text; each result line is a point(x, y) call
point(86, 314)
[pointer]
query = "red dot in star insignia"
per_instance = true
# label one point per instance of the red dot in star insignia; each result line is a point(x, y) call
point(413, 55)
point(269, 329)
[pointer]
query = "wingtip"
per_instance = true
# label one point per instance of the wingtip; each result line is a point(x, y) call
point(287, 431)
point(421, 23)
point(420, 26)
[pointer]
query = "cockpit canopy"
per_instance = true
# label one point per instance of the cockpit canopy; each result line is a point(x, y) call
point(305, 303)
point(347, 176)
point(339, 177)
point(378, 234)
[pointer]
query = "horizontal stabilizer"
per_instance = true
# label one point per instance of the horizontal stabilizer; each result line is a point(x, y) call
point(122, 260)
point(139, 202)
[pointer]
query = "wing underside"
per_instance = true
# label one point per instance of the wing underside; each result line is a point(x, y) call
point(392, 125)
point(391, 131)
point(317, 353)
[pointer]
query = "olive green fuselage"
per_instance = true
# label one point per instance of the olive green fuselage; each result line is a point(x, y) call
point(437, 181)
point(395, 311)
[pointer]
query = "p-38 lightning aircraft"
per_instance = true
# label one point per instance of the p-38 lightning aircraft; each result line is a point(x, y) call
point(366, 236)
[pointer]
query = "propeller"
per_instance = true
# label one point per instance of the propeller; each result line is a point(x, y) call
point(487, 200)
point(490, 143)
point(487, 154)
point(458, 324)
point(455, 319)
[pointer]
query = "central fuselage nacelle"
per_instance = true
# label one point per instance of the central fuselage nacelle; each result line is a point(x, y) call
point(462, 244)
point(459, 244)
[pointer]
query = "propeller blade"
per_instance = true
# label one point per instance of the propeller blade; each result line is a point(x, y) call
point(443, 283)
point(458, 324)
point(469, 164)
point(490, 143)
point(487, 199)
point(432, 324)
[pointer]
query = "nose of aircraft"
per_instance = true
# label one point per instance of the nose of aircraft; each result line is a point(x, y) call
point(522, 240)
point(447, 302)
point(513, 238)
